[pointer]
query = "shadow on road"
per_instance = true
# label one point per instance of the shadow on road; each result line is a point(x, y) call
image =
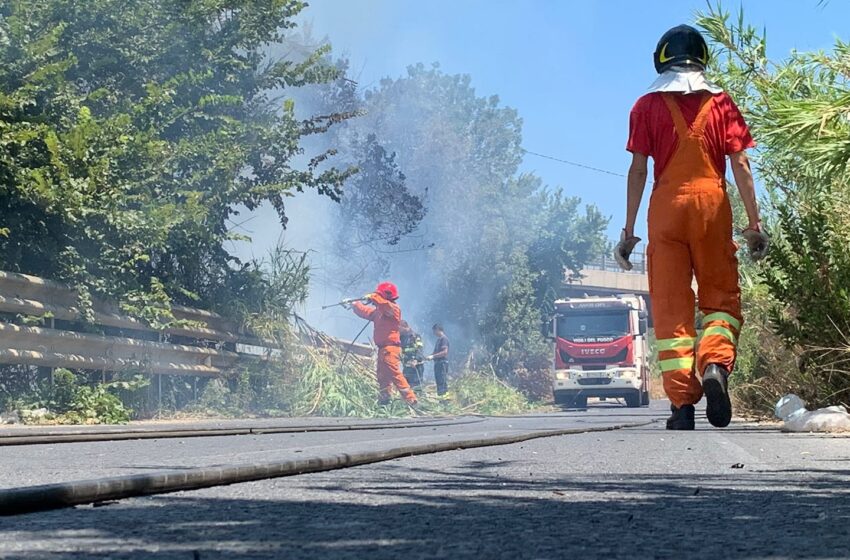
point(393, 511)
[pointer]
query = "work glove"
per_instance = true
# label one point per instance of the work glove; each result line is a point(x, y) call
point(624, 249)
point(757, 242)
point(368, 298)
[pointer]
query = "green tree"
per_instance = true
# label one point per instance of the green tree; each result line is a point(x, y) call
point(799, 109)
point(376, 207)
point(131, 132)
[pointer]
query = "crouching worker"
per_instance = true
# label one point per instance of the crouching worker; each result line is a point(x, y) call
point(412, 356)
point(382, 310)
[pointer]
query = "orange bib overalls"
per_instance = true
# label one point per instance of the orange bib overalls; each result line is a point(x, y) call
point(386, 316)
point(690, 234)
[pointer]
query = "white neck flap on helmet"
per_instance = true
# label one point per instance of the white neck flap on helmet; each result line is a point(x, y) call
point(683, 79)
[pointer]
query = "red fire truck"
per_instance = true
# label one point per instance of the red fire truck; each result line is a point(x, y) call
point(601, 350)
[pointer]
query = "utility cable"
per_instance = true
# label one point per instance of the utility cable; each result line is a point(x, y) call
point(573, 163)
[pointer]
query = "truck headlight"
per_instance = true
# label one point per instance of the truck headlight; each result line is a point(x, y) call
point(561, 375)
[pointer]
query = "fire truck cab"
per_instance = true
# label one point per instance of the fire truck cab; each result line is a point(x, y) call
point(601, 350)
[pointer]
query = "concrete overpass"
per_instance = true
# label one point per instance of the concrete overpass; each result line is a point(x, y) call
point(596, 281)
point(604, 277)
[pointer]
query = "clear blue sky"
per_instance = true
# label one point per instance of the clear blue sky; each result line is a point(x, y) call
point(572, 69)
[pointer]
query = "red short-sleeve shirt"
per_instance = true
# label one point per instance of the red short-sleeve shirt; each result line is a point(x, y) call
point(652, 133)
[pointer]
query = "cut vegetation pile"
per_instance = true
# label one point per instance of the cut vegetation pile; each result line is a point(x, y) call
point(327, 386)
point(318, 378)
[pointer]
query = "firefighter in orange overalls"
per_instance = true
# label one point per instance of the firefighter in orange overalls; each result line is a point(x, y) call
point(689, 126)
point(383, 311)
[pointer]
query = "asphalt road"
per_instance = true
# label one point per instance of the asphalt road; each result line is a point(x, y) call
point(744, 492)
point(42, 464)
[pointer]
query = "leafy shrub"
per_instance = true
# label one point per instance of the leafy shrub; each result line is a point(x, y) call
point(797, 302)
point(70, 400)
point(535, 384)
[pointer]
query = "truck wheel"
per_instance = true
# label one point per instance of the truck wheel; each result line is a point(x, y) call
point(644, 398)
point(633, 400)
point(579, 402)
point(564, 400)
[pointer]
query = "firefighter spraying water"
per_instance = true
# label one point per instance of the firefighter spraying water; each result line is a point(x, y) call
point(382, 310)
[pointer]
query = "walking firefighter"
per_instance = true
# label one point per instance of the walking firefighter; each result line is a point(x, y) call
point(689, 127)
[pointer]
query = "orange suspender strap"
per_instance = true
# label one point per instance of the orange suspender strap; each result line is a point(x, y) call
point(679, 121)
point(676, 114)
point(702, 116)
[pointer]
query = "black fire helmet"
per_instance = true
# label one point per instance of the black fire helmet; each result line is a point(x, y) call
point(680, 45)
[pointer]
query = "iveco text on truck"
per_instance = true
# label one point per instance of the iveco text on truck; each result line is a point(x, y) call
point(601, 350)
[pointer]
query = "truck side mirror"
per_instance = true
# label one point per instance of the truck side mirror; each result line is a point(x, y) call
point(643, 324)
point(548, 329)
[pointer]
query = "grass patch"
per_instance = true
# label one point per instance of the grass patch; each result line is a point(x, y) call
point(326, 383)
point(304, 382)
point(486, 394)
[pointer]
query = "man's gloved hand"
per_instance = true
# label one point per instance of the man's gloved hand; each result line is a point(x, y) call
point(368, 298)
point(624, 249)
point(757, 241)
point(428, 358)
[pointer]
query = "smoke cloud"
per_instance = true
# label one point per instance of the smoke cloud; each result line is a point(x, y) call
point(468, 263)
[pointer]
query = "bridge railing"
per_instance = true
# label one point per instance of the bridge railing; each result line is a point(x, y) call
point(607, 263)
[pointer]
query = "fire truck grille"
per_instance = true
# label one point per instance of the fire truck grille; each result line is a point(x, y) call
point(618, 359)
point(595, 381)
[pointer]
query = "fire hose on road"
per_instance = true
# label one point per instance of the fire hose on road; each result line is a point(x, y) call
point(15, 501)
point(50, 437)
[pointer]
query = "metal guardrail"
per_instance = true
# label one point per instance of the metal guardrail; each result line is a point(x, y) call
point(210, 344)
point(607, 263)
point(34, 296)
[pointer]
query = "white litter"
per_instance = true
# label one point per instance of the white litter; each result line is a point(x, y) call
point(792, 411)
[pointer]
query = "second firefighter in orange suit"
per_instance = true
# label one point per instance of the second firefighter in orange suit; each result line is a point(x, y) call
point(383, 311)
point(689, 126)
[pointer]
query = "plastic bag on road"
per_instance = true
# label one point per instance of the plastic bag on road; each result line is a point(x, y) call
point(792, 411)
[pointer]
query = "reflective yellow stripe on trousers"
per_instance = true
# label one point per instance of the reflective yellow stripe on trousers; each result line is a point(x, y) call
point(674, 364)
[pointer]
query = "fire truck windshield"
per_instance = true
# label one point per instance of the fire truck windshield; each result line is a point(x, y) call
point(573, 325)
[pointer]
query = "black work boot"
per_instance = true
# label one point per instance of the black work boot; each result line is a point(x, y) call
point(682, 418)
point(716, 388)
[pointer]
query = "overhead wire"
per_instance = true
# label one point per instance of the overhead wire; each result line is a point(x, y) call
point(573, 163)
